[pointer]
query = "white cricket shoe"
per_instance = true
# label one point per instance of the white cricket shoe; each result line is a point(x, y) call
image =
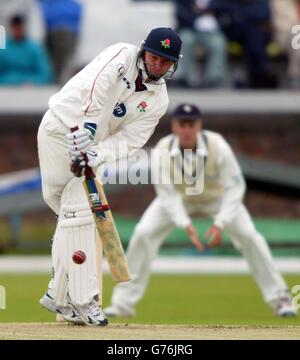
point(92, 314)
point(67, 312)
point(284, 307)
point(115, 311)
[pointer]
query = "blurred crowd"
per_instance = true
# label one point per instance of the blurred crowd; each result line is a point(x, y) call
point(226, 43)
point(256, 32)
point(50, 57)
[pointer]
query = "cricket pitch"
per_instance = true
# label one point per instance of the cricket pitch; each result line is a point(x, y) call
point(52, 331)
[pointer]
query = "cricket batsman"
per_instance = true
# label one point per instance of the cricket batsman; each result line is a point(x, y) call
point(221, 199)
point(117, 99)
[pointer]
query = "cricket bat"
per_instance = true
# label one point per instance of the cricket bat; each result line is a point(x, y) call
point(111, 243)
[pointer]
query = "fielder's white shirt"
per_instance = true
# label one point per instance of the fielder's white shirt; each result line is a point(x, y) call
point(230, 176)
point(107, 92)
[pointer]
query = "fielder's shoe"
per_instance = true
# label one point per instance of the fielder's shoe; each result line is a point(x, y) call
point(283, 306)
point(67, 312)
point(92, 314)
point(116, 311)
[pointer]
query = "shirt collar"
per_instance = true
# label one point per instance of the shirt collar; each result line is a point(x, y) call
point(154, 87)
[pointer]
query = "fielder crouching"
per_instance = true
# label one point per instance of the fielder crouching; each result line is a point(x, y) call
point(115, 100)
point(221, 199)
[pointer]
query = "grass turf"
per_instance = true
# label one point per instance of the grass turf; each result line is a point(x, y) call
point(170, 299)
point(35, 234)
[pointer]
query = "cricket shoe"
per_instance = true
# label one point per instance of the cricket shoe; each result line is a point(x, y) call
point(283, 306)
point(92, 314)
point(67, 312)
point(116, 311)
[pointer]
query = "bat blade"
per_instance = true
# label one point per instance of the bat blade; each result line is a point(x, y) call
point(104, 221)
point(107, 230)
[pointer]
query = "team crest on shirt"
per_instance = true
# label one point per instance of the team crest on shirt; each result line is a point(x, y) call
point(119, 110)
point(142, 106)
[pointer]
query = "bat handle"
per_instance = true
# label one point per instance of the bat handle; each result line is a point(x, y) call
point(89, 173)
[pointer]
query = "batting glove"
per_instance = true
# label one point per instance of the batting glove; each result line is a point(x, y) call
point(78, 163)
point(79, 142)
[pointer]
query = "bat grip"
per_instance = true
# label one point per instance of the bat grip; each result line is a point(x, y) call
point(89, 173)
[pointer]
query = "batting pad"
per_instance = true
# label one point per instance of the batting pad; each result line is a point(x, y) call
point(75, 231)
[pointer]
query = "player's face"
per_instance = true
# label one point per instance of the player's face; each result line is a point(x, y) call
point(187, 132)
point(157, 65)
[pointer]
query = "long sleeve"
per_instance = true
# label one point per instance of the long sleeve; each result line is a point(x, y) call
point(130, 138)
point(234, 185)
point(170, 199)
point(112, 63)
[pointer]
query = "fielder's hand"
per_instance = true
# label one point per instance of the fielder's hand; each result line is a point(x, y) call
point(192, 234)
point(78, 163)
point(79, 142)
point(214, 236)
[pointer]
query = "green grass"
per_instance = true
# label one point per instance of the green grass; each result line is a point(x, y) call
point(170, 299)
point(36, 233)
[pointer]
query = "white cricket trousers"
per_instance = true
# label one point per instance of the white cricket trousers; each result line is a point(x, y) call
point(154, 227)
point(54, 159)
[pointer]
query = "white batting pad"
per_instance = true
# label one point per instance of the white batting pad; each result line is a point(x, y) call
point(75, 231)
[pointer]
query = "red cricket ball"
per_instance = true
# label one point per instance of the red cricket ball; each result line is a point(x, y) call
point(79, 257)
